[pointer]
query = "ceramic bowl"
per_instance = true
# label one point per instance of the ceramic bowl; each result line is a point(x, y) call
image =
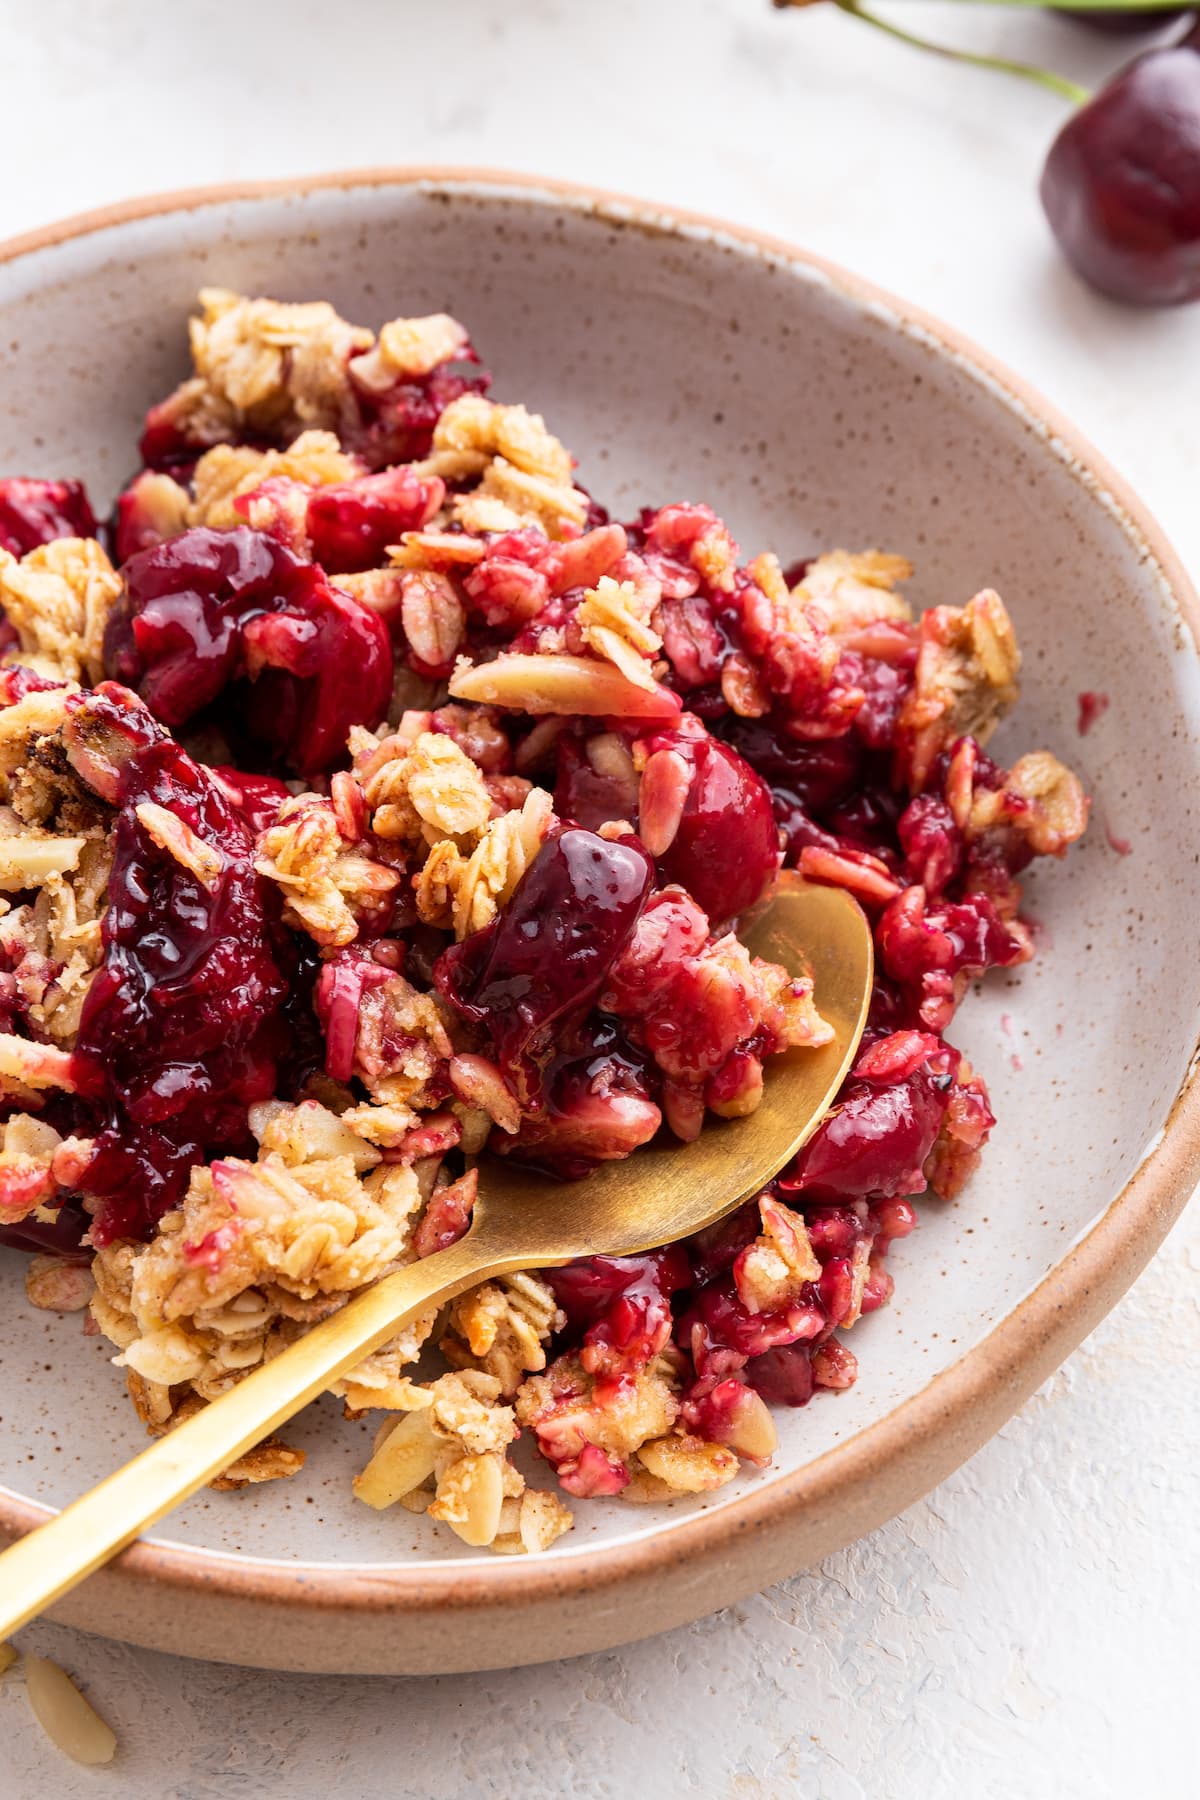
point(681, 358)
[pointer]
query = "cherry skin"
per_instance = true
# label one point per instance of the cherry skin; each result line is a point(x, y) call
point(542, 961)
point(726, 849)
point(1121, 184)
point(1122, 23)
point(34, 512)
point(207, 609)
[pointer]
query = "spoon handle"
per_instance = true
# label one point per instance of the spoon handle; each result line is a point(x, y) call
point(48, 1562)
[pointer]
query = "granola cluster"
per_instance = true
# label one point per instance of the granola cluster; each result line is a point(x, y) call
point(371, 801)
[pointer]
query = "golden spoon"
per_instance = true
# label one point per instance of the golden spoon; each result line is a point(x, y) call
point(664, 1192)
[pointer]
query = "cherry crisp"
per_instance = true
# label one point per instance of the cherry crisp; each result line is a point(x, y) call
point(370, 799)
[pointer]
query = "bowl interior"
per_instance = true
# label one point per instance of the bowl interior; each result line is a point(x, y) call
point(680, 365)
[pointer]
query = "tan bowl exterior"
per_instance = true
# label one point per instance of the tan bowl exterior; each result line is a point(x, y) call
point(391, 1619)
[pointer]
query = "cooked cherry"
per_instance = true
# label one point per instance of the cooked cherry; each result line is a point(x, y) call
point(257, 797)
point(596, 1102)
point(725, 850)
point(182, 1028)
point(544, 959)
point(716, 1323)
point(351, 523)
point(209, 609)
point(588, 795)
point(812, 783)
point(398, 424)
point(783, 1376)
point(1121, 184)
point(620, 1306)
point(58, 1235)
point(875, 1141)
point(35, 512)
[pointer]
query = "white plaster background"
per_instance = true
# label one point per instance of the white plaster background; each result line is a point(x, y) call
point(1027, 1630)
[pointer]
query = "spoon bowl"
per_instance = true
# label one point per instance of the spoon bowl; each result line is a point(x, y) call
point(521, 1221)
point(669, 1190)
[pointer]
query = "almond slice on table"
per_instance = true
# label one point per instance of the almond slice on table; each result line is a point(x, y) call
point(64, 1715)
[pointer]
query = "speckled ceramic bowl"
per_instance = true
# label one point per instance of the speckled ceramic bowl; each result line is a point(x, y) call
point(684, 359)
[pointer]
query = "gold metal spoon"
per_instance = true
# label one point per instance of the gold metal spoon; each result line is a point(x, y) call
point(521, 1221)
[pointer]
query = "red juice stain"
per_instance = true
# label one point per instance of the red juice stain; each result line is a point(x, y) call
point(1091, 707)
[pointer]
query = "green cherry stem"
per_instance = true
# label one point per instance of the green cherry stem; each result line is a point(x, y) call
point(1046, 78)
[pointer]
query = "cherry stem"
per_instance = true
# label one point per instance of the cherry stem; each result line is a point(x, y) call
point(1046, 78)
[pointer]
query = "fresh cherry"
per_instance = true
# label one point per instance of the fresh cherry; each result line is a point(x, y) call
point(1121, 184)
point(1124, 22)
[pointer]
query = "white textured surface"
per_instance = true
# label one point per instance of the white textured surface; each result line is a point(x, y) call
point(1028, 1629)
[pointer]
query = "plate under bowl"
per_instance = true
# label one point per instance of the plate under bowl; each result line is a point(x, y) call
point(683, 359)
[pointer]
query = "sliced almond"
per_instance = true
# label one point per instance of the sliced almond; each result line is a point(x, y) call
point(689, 1465)
point(32, 858)
point(404, 1459)
point(470, 1496)
point(64, 1715)
point(562, 684)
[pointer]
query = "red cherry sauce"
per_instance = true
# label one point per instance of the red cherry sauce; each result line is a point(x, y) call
point(182, 1028)
point(537, 969)
point(619, 1307)
point(35, 512)
point(234, 617)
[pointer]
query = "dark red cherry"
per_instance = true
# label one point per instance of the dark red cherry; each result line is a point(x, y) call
point(726, 848)
point(1121, 185)
point(351, 523)
point(215, 610)
point(182, 1028)
point(34, 512)
point(544, 960)
point(784, 1375)
point(1124, 22)
point(875, 1141)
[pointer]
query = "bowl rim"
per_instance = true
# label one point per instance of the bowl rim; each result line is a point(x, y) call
point(920, 1441)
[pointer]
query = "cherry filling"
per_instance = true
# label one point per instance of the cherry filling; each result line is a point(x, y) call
point(599, 1101)
point(537, 969)
point(786, 1351)
point(932, 951)
point(725, 847)
point(829, 792)
point(876, 1140)
point(619, 1307)
point(397, 423)
point(182, 1028)
point(35, 512)
point(350, 524)
point(234, 621)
